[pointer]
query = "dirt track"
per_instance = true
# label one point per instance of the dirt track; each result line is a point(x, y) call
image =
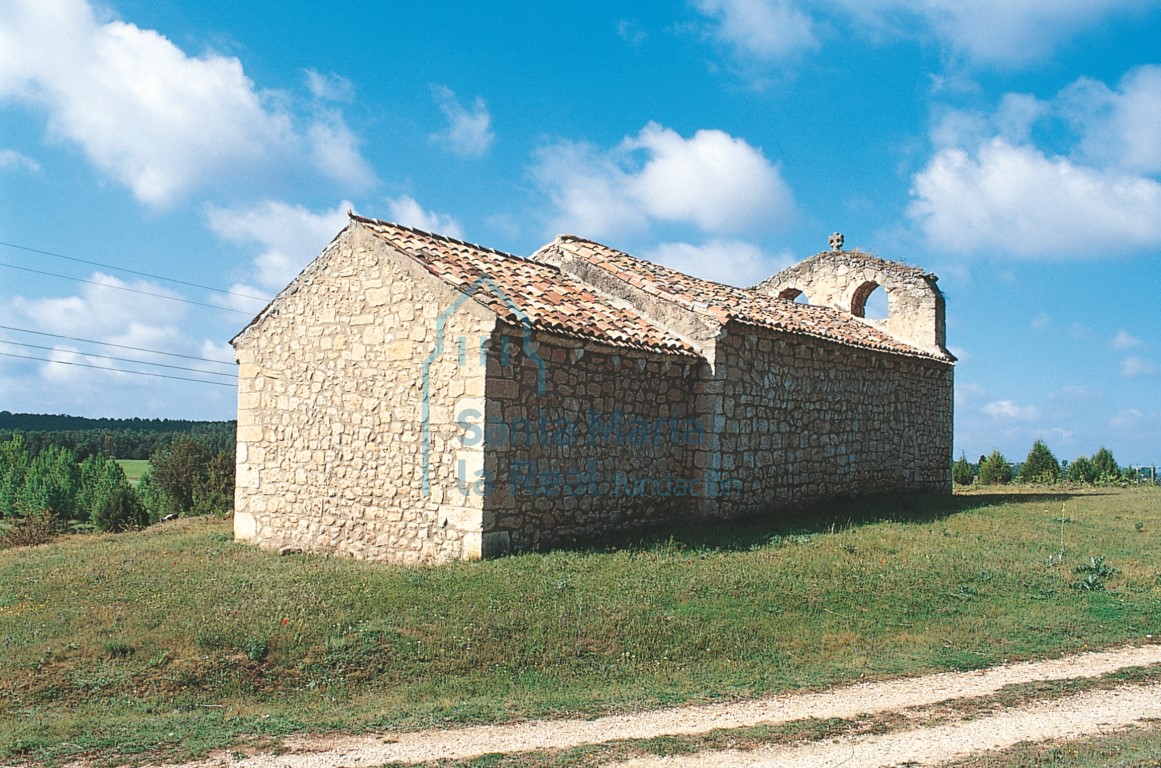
point(1085, 714)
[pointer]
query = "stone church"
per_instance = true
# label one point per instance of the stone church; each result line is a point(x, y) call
point(412, 398)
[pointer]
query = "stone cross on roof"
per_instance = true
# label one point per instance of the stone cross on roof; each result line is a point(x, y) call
point(836, 241)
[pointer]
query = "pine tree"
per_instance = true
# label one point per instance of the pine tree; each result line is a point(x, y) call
point(1040, 466)
point(1106, 467)
point(995, 470)
point(961, 471)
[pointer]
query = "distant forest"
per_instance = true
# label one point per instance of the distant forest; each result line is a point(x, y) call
point(114, 438)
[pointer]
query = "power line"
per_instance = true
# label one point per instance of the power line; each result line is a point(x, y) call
point(111, 344)
point(121, 359)
point(134, 272)
point(124, 288)
point(117, 370)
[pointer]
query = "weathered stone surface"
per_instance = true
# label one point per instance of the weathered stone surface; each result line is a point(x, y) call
point(844, 279)
point(383, 416)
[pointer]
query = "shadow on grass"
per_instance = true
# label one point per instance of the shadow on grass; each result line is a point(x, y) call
point(748, 533)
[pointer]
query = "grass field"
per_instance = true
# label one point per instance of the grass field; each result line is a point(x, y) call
point(134, 468)
point(176, 640)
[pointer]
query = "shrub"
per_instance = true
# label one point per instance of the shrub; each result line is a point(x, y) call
point(1081, 471)
point(1093, 575)
point(995, 470)
point(961, 471)
point(107, 498)
point(1105, 466)
point(35, 528)
point(1040, 466)
point(190, 478)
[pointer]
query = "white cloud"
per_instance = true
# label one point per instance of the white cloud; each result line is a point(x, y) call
point(105, 309)
point(143, 111)
point(334, 149)
point(631, 32)
point(469, 132)
point(1135, 367)
point(1015, 199)
point(1002, 33)
point(329, 86)
point(1124, 340)
point(1064, 435)
point(141, 318)
point(245, 298)
point(221, 352)
point(407, 211)
point(1076, 392)
point(1013, 121)
point(290, 236)
point(136, 322)
point(10, 160)
point(760, 30)
point(1008, 410)
point(1120, 127)
point(1134, 421)
point(713, 180)
point(968, 393)
point(1079, 331)
point(1040, 322)
point(989, 187)
point(733, 262)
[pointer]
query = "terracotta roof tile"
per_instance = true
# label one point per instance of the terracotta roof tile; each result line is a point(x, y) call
point(550, 299)
point(724, 303)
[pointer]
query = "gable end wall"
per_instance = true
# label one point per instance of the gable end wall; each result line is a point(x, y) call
point(329, 402)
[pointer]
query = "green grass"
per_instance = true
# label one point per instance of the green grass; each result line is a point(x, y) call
point(176, 640)
point(1135, 748)
point(134, 468)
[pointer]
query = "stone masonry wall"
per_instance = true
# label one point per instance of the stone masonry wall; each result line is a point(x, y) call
point(330, 437)
point(802, 419)
point(384, 415)
point(844, 279)
point(602, 446)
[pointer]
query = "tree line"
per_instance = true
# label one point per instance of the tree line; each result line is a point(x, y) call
point(1042, 467)
point(54, 489)
point(112, 438)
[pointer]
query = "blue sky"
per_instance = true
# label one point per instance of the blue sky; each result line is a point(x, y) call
point(1012, 147)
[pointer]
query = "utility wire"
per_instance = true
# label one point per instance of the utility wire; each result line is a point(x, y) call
point(133, 272)
point(118, 346)
point(124, 288)
point(117, 370)
point(121, 359)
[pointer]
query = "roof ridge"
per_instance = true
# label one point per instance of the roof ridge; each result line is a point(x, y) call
point(720, 301)
point(435, 235)
point(628, 255)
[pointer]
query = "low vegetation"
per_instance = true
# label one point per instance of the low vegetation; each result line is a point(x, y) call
point(1042, 468)
point(175, 640)
point(52, 490)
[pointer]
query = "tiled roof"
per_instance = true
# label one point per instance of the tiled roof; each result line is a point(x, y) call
point(724, 303)
point(550, 299)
